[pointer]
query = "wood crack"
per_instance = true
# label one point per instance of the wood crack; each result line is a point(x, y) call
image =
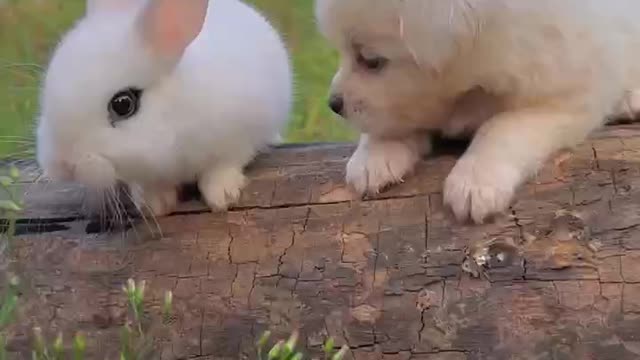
point(370, 272)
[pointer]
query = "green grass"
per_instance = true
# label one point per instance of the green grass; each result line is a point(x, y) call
point(29, 29)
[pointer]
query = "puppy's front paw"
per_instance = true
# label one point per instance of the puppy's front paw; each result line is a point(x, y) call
point(222, 187)
point(379, 164)
point(479, 189)
point(160, 201)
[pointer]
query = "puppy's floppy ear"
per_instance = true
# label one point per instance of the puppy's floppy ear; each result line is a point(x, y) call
point(167, 27)
point(100, 6)
point(450, 27)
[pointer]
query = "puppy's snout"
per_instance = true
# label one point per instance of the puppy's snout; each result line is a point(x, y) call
point(336, 103)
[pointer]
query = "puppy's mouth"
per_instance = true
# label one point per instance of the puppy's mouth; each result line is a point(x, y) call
point(354, 112)
point(358, 121)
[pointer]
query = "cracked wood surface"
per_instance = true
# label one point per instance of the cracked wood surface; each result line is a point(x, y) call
point(394, 277)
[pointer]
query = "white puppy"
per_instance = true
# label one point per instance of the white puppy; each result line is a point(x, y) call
point(527, 78)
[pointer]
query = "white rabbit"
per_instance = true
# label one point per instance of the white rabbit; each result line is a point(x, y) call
point(162, 92)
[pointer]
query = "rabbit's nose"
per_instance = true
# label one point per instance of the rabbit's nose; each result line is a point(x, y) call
point(336, 103)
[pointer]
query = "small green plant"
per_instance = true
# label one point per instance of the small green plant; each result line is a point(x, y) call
point(10, 206)
point(7, 313)
point(136, 344)
point(56, 352)
point(331, 353)
point(285, 350)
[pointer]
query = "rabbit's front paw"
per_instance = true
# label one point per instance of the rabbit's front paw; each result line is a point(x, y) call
point(480, 189)
point(156, 201)
point(221, 187)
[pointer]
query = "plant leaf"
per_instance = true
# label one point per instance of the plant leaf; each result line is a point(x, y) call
point(9, 205)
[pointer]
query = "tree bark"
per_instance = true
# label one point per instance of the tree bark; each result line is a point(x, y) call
point(392, 276)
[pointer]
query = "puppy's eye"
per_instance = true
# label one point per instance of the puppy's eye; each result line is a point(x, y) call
point(124, 104)
point(375, 63)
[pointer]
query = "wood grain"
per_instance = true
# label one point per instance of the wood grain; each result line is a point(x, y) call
point(392, 276)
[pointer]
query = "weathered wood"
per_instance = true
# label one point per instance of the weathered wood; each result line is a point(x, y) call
point(394, 277)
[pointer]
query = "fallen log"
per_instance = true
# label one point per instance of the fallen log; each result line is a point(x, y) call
point(393, 276)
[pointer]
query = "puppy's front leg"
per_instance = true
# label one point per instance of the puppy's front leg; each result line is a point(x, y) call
point(379, 162)
point(505, 151)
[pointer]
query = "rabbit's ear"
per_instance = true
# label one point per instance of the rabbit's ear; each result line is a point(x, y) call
point(98, 6)
point(169, 26)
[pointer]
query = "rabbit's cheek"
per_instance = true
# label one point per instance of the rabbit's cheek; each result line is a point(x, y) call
point(54, 166)
point(58, 170)
point(95, 171)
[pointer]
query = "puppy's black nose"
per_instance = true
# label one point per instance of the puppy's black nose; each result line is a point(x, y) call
point(336, 103)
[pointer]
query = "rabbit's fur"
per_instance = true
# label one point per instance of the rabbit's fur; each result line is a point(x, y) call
point(215, 88)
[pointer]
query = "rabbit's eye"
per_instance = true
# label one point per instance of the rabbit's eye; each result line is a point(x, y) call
point(124, 104)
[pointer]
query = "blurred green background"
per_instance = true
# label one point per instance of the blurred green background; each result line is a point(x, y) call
point(29, 29)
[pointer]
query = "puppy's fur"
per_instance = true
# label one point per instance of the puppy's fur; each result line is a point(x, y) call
point(527, 78)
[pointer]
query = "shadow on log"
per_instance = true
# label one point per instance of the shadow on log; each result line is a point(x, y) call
point(394, 277)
